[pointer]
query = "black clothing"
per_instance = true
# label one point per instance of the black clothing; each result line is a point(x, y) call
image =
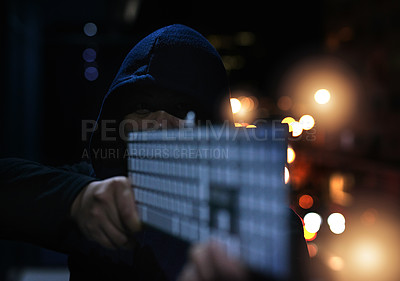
point(44, 196)
point(36, 200)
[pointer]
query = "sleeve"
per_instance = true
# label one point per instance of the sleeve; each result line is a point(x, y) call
point(35, 202)
point(82, 168)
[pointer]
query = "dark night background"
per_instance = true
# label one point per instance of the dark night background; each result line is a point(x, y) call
point(45, 96)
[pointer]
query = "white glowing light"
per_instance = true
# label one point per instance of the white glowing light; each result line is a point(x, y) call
point(337, 223)
point(337, 228)
point(236, 105)
point(287, 176)
point(312, 222)
point(297, 129)
point(322, 96)
point(307, 122)
point(336, 218)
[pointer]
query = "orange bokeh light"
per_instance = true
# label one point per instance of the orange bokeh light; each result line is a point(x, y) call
point(312, 249)
point(306, 201)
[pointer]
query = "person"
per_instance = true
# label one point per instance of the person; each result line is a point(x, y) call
point(169, 72)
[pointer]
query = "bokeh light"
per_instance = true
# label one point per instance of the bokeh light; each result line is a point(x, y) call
point(236, 105)
point(287, 175)
point(306, 201)
point(285, 103)
point(89, 55)
point(367, 256)
point(288, 120)
point(90, 29)
point(336, 222)
point(91, 73)
point(322, 96)
point(291, 155)
point(309, 236)
point(339, 184)
point(336, 263)
point(312, 249)
point(312, 222)
point(247, 103)
point(369, 216)
point(297, 129)
point(307, 122)
point(251, 126)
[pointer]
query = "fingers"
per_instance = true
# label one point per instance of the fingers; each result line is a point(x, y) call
point(105, 212)
point(200, 256)
point(227, 268)
point(100, 237)
point(125, 204)
point(210, 262)
point(116, 237)
point(189, 273)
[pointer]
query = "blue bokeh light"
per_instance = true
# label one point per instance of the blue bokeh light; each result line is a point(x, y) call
point(91, 73)
point(89, 55)
point(90, 29)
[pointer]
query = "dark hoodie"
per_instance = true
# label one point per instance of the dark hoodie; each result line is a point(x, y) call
point(175, 59)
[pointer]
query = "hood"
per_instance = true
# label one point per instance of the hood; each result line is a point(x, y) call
point(175, 58)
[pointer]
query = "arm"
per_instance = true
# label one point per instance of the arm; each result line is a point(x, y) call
point(43, 205)
point(35, 201)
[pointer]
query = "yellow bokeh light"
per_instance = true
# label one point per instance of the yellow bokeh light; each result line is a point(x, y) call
point(287, 176)
point(297, 129)
point(322, 96)
point(309, 236)
point(236, 105)
point(251, 126)
point(238, 125)
point(288, 120)
point(291, 155)
point(307, 122)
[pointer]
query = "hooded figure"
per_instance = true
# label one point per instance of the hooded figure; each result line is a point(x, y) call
point(170, 72)
point(174, 69)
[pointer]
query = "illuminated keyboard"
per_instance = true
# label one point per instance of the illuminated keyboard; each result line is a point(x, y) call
point(217, 182)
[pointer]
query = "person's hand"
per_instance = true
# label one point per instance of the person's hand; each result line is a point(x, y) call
point(105, 212)
point(208, 262)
